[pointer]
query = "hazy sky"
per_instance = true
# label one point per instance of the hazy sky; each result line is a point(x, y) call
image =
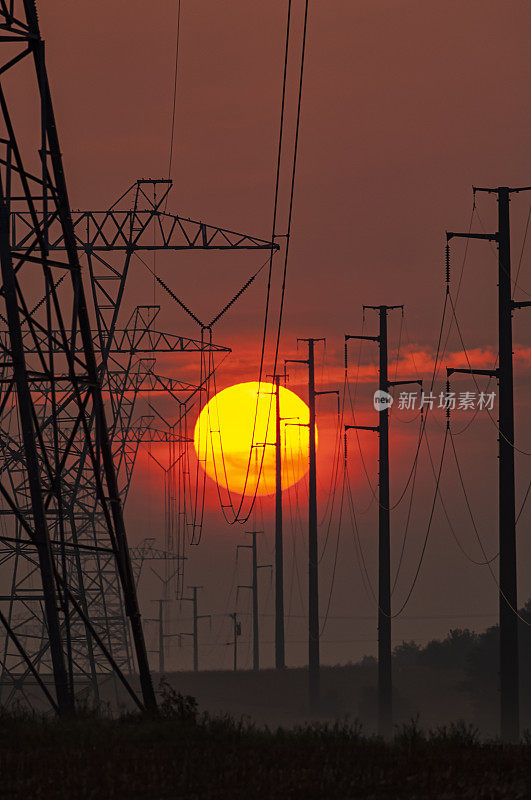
point(406, 105)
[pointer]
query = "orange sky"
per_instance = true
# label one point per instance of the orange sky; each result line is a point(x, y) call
point(406, 105)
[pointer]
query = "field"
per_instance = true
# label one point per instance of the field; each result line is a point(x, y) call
point(183, 755)
point(205, 750)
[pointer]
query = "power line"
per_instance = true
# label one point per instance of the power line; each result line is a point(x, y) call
point(427, 534)
point(176, 73)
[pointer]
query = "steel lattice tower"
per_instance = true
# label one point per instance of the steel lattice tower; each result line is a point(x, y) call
point(51, 384)
point(54, 388)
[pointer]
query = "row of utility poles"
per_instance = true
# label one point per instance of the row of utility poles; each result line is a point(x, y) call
point(163, 635)
point(508, 653)
point(507, 582)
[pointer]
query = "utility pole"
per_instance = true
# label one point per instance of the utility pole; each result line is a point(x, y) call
point(254, 589)
point(508, 597)
point(381, 402)
point(280, 648)
point(236, 631)
point(162, 635)
point(313, 559)
point(196, 618)
point(280, 655)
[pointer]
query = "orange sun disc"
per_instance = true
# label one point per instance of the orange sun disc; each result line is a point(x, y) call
point(238, 459)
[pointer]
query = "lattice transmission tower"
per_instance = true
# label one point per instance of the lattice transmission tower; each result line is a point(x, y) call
point(71, 612)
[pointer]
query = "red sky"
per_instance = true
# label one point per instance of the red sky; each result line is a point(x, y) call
point(406, 105)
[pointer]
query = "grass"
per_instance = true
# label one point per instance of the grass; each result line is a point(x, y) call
point(186, 754)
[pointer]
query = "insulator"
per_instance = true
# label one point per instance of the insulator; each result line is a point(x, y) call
point(346, 365)
point(345, 437)
point(447, 263)
point(448, 400)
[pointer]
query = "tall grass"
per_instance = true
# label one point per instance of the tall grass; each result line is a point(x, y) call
point(184, 753)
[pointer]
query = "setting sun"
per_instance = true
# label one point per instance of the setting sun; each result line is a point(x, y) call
point(224, 434)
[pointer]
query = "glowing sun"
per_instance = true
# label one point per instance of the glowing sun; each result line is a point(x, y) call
point(223, 437)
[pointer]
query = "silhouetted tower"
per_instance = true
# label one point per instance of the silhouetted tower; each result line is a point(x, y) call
point(508, 597)
point(60, 382)
point(313, 559)
point(107, 242)
point(385, 681)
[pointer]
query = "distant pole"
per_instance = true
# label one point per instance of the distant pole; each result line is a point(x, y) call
point(254, 590)
point(195, 637)
point(161, 637)
point(385, 680)
point(236, 631)
point(256, 635)
point(313, 560)
point(508, 596)
point(195, 629)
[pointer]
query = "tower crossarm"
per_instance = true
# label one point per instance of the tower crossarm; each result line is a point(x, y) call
point(125, 341)
point(145, 227)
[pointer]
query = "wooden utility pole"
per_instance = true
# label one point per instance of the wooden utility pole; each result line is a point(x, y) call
point(313, 559)
point(254, 589)
point(508, 596)
point(382, 402)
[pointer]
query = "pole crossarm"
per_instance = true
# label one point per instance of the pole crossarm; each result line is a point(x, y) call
point(520, 304)
point(374, 428)
point(492, 373)
point(418, 382)
point(125, 341)
point(508, 189)
point(490, 237)
point(365, 338)
point(145, 380)
point(384, 307)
